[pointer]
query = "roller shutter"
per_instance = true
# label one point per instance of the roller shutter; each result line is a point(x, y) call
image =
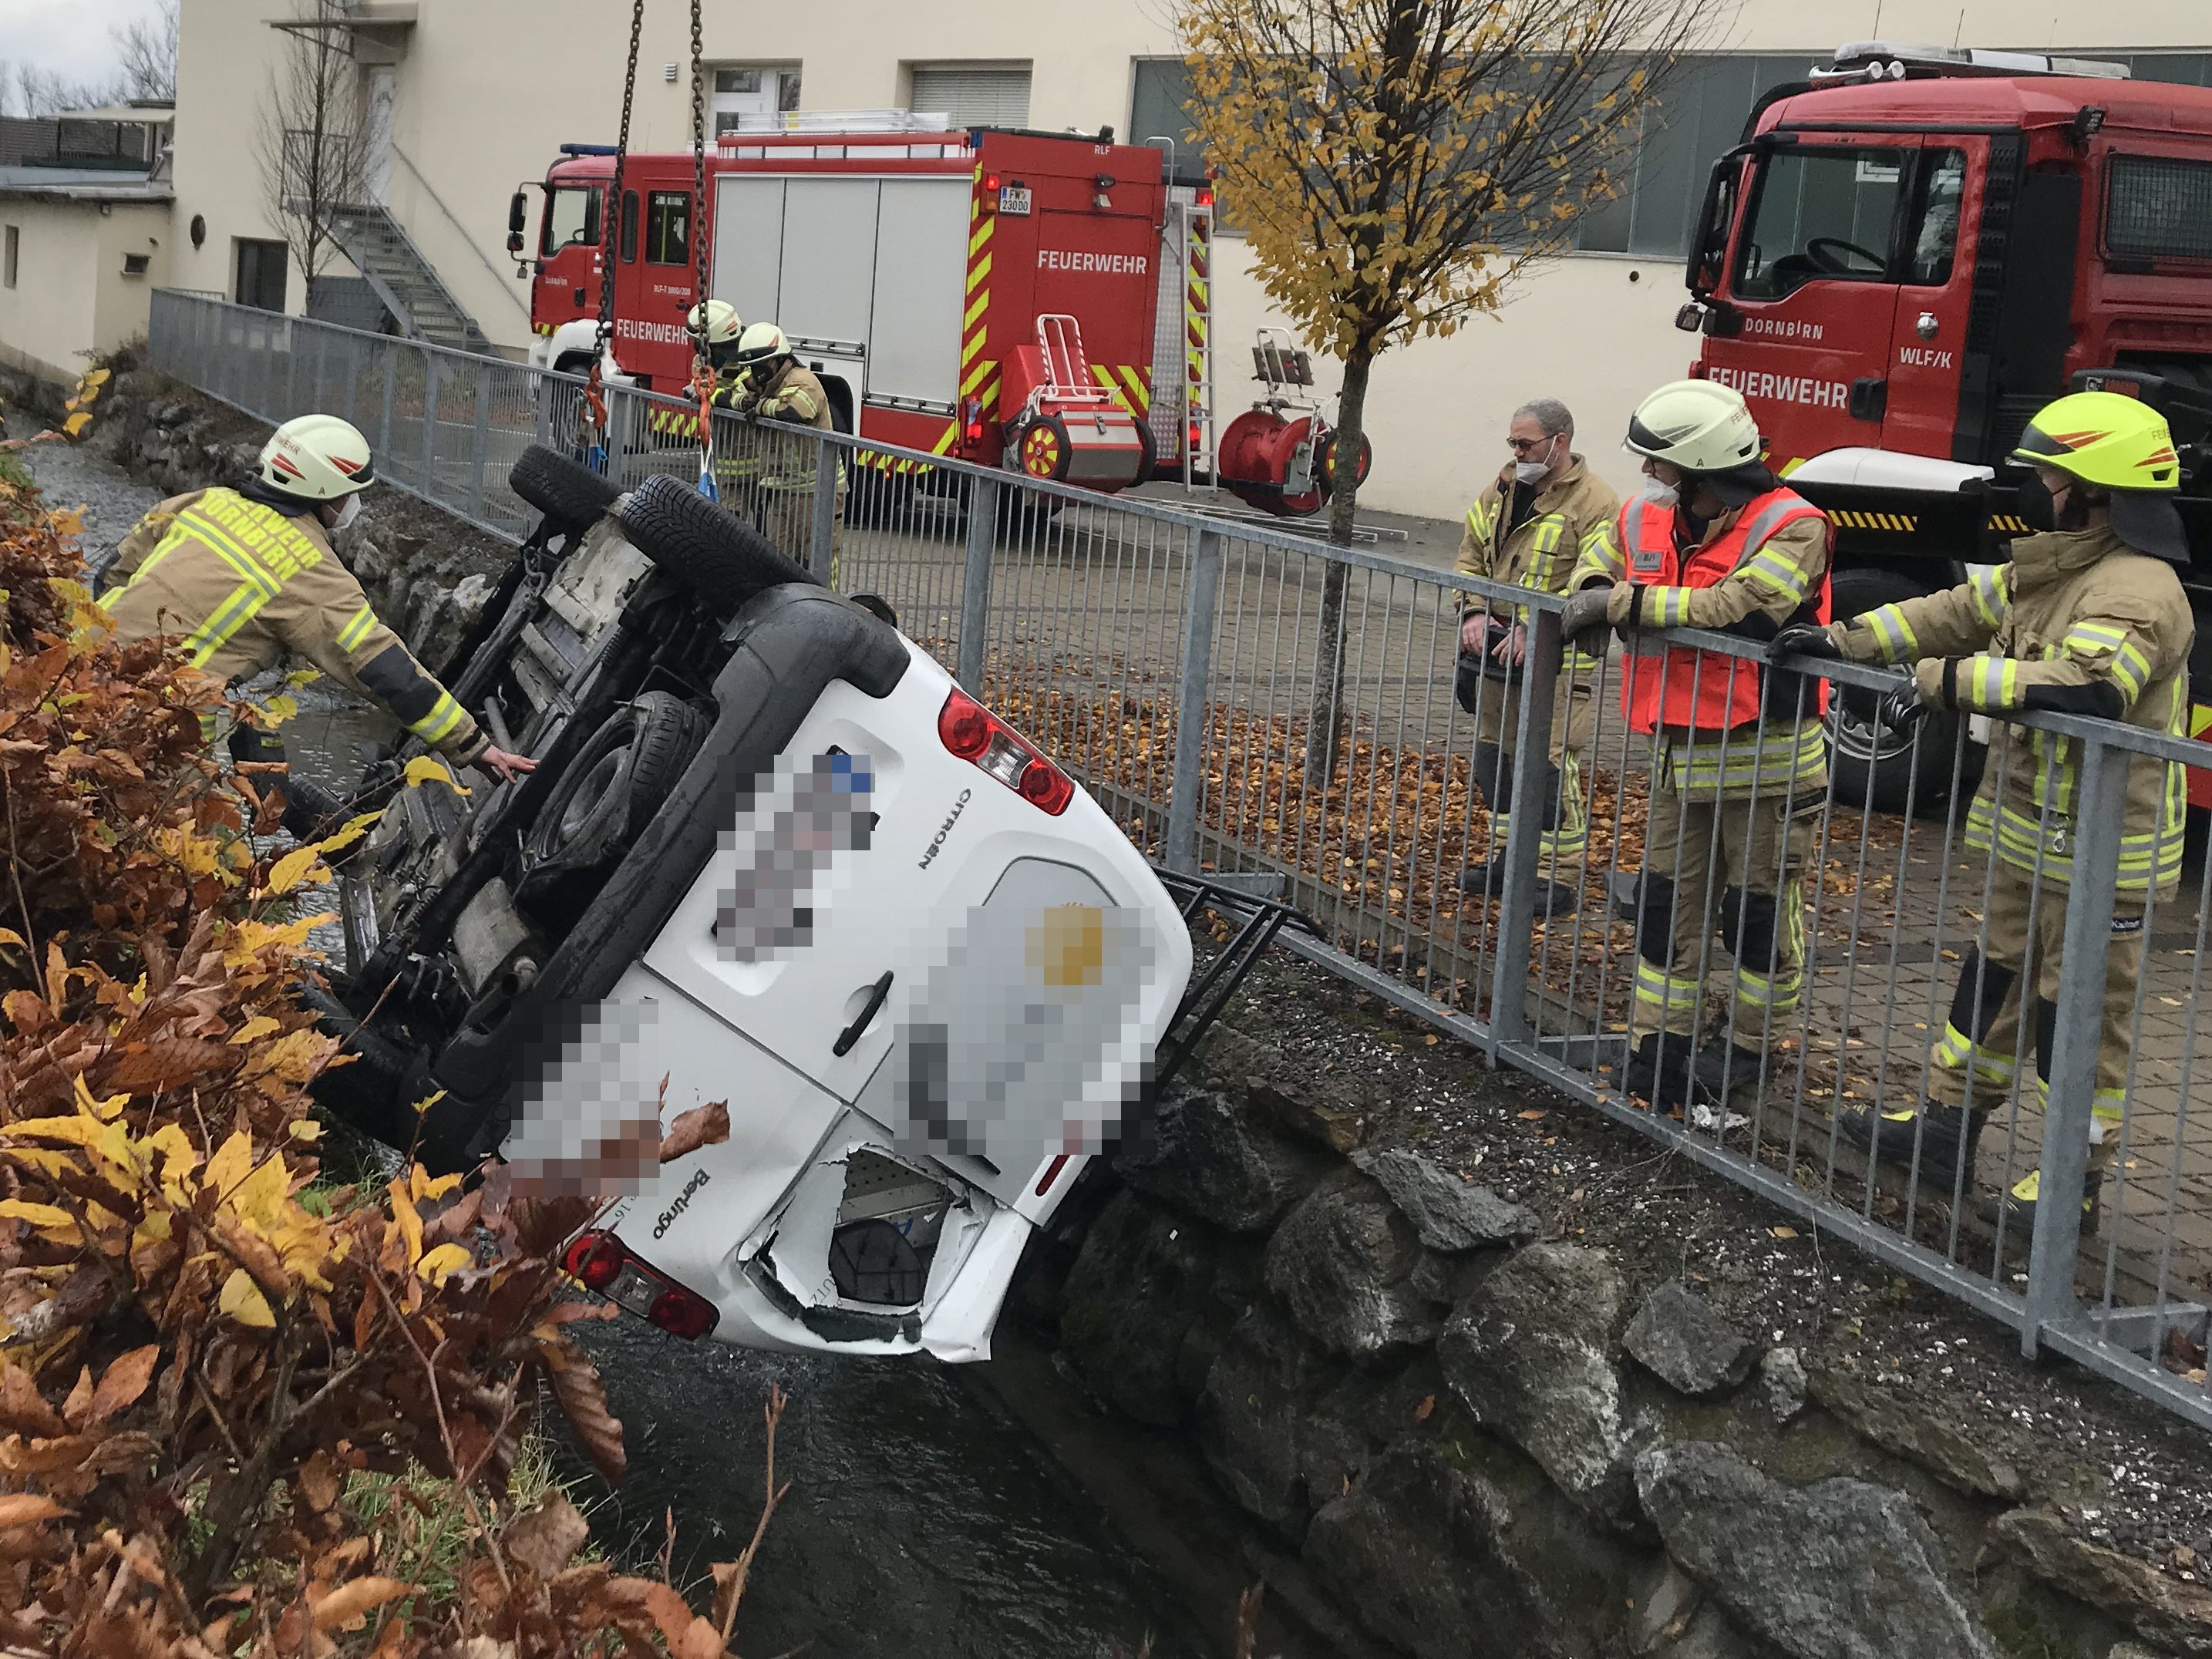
point(972, 96)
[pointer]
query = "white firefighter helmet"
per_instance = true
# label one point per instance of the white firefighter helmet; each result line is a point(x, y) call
point(761, 343)
point(714, 321)
point(318, 458)
point(1699, 425)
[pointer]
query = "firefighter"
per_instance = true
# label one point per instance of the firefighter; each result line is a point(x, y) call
point(247, 575)
point(779, 388)
point(1529, 528)
point(716, 330)
point(2087, 618)
point(1714, 541)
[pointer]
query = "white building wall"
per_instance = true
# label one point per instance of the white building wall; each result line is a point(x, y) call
point(70, 298)
point(487, 88)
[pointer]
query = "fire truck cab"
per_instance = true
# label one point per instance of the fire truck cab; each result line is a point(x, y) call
point(1010, 298)
point(1909, 254)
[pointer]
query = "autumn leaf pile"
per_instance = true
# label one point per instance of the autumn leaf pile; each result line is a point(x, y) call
point(205, 1347)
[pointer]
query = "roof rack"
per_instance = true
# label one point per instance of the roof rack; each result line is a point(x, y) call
point(751, 124)
point(1894, 60)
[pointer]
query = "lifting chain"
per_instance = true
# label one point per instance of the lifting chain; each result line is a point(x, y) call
point(703, 363)
point(595, 396)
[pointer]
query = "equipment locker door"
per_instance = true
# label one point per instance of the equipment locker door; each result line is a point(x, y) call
point(1814, 283)
point(922, 263)
point(749, 245)
point(828, 259)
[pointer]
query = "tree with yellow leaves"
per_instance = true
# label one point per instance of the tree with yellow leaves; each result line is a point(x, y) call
point(1395, 164)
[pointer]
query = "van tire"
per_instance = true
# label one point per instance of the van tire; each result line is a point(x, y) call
point(567, 492)
point(723, 560)
point(635, 758)
point(1870, 768)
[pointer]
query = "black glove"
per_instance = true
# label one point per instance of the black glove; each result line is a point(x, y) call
point(1905, 707)
point(1803, 639)
point(1585, 611)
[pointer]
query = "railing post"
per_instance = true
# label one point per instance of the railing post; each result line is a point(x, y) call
point(1526, 803)
point(429, 422)
point(976, 581)
point(1202, 599)
point(2102, 802)
point(480, 443)
point(544, 388)
point(391, 392)
point(826, 458)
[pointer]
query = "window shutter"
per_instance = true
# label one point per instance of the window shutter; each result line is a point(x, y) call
point(973, 97)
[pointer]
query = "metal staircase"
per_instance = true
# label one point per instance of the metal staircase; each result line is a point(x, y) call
point(403, 279)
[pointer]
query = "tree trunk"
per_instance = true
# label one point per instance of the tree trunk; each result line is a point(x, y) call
point(1324, 727)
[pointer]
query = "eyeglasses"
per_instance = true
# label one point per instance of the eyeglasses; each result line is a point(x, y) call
point(1523, 446)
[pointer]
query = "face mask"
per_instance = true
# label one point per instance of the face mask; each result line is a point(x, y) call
point(349, 512)
point(1530, 471)
point(1661, 494)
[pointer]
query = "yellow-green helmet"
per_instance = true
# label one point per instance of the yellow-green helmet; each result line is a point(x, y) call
point(2106, 439)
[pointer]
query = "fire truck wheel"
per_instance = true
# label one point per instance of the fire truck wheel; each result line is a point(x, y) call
point(567, 492)
point(1877, 766)
point(723, 560)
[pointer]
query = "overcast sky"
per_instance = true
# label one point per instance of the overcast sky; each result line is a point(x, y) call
point(69, 37)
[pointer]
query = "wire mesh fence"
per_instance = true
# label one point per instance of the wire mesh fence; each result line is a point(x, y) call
point(1958, 1028)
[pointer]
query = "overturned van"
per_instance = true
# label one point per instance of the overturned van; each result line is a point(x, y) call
point(773, 856)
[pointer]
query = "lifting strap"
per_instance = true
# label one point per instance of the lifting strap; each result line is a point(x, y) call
point(595, 397)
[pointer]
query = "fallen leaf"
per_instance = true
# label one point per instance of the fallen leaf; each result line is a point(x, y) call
point(703, 1126)
point(347, 1607)
point(1534, 1113)
point(583, 1400)
point(242, 1300)
point(1421, 1412)
point(1784, 1232)
point(545, 1539)
point(124, 1381)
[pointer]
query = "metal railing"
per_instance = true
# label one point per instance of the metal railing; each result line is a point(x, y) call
point(1679, 898)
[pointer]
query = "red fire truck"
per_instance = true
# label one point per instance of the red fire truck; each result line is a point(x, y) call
point(1037, 301)
point(1910, 253)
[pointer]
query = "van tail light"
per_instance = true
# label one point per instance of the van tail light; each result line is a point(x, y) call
point(599, 1262)
point(976, 735)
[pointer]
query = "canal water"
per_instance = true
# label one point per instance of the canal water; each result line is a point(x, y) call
point(923, 1520)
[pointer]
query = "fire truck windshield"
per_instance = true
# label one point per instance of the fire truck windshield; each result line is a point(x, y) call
point(572, 219)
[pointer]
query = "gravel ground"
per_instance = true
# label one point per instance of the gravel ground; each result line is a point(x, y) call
point(2125, 1473)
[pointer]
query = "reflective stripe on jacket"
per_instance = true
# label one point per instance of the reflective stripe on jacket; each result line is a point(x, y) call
point(2073, 608)
point(243, 583)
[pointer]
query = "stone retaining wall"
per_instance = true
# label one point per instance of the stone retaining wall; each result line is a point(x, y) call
point(427, 575)
point(1475, 1439)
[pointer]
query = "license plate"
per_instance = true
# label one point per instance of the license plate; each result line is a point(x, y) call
point(1014, 199)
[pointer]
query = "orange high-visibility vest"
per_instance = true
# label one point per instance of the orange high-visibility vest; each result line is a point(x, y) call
point(1696, 688)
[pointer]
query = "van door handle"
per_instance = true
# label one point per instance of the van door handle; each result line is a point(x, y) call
point(851, 1034)
point(1869, 400)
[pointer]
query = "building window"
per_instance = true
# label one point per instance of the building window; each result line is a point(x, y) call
point(668, 228)
point(8, 261)
point(973, 94)
point(260, 272)
point(137, 264)
point(1159, 108)
point(753, 90)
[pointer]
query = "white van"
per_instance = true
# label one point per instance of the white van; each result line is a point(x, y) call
point(773, 856)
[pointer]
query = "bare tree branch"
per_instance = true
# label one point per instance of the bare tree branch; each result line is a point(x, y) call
point(309, 146)
point(146, 52)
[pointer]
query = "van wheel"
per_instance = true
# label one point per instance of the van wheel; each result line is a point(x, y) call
point(880, 498)
point(723, 560)
point(567, 492)
point(1875, 765)
point(612, 788)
